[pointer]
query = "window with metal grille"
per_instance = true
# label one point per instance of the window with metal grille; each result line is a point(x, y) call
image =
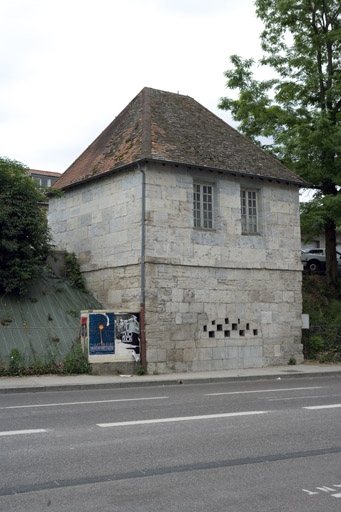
point(249, 210)
point(203, 205)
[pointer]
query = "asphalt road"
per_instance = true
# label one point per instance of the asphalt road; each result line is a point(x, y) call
point(243, 446)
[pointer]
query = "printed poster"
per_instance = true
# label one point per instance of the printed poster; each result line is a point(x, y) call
point(128, 331)
point(101, 334)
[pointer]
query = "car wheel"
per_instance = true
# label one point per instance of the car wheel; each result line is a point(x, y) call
point(313, 266)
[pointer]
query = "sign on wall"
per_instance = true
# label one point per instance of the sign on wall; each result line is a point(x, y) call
point(111, 334)
point(101, 333)
point(128, 330)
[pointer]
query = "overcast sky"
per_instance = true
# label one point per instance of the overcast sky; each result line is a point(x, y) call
point(69, 67)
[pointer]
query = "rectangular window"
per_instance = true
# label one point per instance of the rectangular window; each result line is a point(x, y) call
point(203, 205)
point(38, 180)
point(249, 210)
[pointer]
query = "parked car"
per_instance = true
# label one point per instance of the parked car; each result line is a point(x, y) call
point(314, 260)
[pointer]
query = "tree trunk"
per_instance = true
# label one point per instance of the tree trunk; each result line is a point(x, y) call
point(331, 263)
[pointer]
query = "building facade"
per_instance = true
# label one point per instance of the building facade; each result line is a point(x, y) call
point(176, 216)
point(44, 178)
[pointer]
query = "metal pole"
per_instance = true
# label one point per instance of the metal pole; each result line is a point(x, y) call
point(143, 351)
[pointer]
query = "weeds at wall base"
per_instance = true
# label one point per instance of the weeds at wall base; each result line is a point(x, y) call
point(75, 362)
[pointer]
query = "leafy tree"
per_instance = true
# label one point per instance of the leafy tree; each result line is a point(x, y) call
point(24, 234)
point(297, 112)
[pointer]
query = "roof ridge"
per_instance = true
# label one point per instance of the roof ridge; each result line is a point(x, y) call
point(50, 173)
point(146, 146)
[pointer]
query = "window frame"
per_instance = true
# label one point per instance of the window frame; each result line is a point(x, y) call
point(250, 220)
point(204, 216)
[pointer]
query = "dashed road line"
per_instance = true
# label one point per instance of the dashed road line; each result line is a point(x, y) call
point(317, 407)
point(179, 419)
point(262, 391)
point(85, 402)
point(23, 432)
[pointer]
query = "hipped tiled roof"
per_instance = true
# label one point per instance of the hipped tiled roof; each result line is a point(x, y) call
point(174, 128)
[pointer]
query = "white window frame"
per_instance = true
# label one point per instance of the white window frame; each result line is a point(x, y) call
point(249, 205)
point(203, 205)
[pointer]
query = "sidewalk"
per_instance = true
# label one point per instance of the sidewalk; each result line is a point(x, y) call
point(34, 384)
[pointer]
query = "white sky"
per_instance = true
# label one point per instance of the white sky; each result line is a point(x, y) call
point(69, 67)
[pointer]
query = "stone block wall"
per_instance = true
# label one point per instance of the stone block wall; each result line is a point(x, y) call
point(249, 319)
point(100, 222)
point(215, 299)
point(172, 238)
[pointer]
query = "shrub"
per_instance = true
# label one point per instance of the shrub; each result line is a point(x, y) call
point(76, 361)
point(73, 273)
point(16, 364)
point(316, 344)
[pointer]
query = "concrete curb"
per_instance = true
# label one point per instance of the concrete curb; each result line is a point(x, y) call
point(78, 383)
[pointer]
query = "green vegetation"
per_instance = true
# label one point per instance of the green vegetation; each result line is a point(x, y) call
point(73, 273)
point(16, 364)
point(75, 362)
point(25, 237)
point(322, 341)
point(295, 114)
point(140, 370)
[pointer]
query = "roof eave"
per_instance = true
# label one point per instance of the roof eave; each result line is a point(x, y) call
point(243, 174)
point(299, 182)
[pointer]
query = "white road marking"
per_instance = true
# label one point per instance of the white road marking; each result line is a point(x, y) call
point(331, 406)
point(325, 489)
point(178, 419)
point(262, 391)
point(83, 403)
point(21, 432)
point(298, 397)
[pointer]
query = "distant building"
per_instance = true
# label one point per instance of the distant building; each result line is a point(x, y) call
point(44, 178)
point(318, 241)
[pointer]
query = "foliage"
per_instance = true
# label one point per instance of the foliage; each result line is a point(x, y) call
point(3, 368)
point(16, 364)
point(316, 344)
point(76, 361)
point(25, 238)
point(322, 341)
point(55, 192)
point(73, 273)
point(297, 112)
point(140, 370)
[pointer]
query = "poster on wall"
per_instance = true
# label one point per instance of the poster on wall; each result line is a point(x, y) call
point(101, 334)
point(128, 333)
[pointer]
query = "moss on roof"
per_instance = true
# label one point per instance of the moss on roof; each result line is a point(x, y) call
point(168, 127)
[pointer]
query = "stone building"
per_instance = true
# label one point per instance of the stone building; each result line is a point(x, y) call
point(175, 215)
point(44, 178)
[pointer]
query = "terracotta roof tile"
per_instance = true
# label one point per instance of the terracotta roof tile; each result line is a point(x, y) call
point(45, 173)
point(168, 127)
